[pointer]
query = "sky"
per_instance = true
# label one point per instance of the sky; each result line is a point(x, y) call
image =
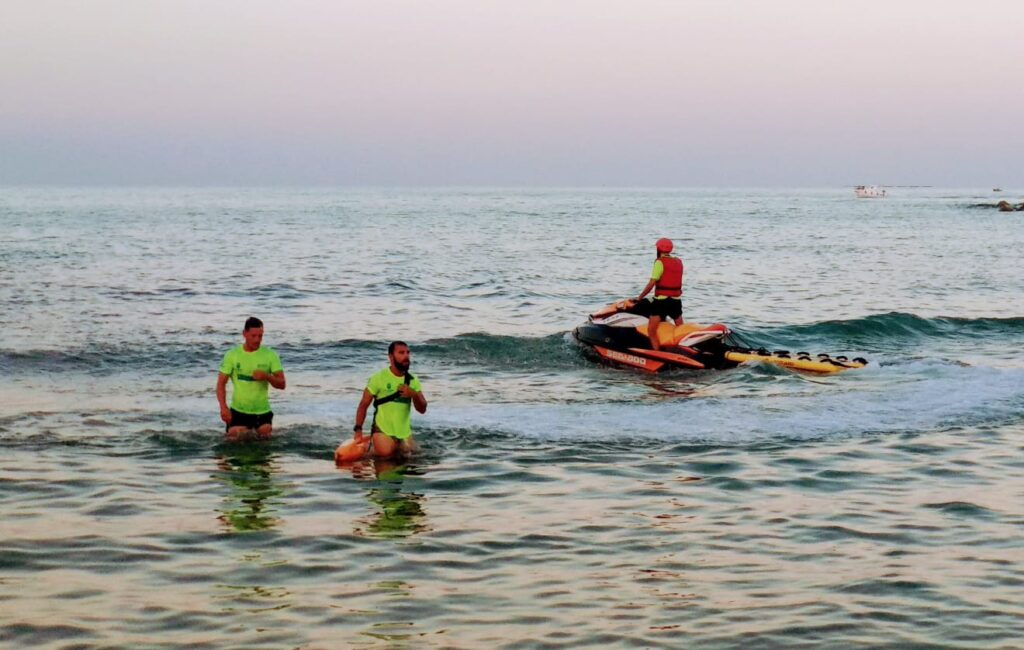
point(683, 93)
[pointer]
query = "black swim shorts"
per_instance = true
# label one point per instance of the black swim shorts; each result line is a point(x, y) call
point(248, 420)
point(667, 308)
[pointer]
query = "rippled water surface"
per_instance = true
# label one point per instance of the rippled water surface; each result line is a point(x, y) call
point(556, 502)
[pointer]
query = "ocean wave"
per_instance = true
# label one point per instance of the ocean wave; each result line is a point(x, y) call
point(895, 329)
point(893, 334)
point(105, 359)
point(552, 352)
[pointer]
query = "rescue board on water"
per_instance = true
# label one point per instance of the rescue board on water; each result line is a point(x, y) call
point(823, 364)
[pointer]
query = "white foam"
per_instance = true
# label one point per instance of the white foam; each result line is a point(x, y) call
point(918, 396)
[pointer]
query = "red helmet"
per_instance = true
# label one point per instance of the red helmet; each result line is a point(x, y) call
point(664, 245)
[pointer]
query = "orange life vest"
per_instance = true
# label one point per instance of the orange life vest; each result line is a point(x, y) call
point(671, 281)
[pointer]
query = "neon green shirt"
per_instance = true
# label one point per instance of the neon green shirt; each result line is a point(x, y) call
point(247, 395)
point(395, 417)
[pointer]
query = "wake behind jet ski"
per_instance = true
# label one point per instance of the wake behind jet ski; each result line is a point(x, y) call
point(619, 333)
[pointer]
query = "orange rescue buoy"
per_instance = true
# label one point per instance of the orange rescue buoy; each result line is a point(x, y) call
point(352, 449)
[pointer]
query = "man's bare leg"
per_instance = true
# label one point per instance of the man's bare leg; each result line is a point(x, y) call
point(652, 331)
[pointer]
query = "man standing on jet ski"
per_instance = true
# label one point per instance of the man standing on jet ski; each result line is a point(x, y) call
point(667, 282)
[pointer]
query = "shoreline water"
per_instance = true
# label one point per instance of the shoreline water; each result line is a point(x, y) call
point(557, 502)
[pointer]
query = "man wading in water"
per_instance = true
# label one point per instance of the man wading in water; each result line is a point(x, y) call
point(393, 392)
point(251, 369)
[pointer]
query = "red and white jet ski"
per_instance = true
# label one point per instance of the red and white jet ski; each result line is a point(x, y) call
point(618, 333)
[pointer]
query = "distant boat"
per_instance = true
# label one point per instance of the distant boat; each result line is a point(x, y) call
point(997, 189)
point(869, 192)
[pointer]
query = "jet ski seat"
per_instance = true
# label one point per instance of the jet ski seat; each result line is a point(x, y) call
point(669, 334)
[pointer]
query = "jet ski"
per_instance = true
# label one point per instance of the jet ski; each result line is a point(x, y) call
point(618, 333)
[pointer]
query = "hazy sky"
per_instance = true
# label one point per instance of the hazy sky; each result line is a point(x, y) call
point(517, 92)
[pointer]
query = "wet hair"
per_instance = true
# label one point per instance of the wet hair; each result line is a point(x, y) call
point(395, 344)
point(252, 322)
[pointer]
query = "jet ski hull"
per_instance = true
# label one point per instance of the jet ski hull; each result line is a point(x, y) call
point(627, 346)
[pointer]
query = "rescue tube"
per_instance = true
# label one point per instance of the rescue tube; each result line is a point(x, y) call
point(351, 450)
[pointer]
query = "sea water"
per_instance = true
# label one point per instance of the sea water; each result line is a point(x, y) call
point(556, 502)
